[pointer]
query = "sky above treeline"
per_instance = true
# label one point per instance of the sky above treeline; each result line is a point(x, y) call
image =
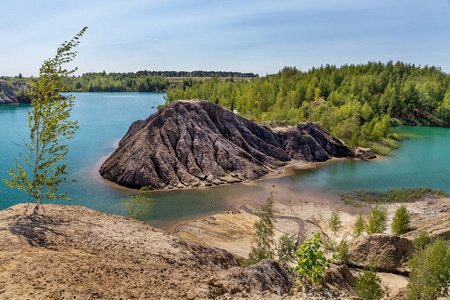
point(244, 36)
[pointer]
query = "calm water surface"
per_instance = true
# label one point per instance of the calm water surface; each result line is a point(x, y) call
point(105, 117)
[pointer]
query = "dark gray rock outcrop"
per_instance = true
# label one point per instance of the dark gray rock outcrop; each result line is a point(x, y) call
point(198, 143)
point(9, 92)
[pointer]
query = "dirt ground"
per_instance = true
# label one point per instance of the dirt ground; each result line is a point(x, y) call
point(303, 217)
point(72, 252)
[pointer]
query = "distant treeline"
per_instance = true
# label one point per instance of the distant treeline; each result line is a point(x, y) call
point(117, 82)
point(357, 103)
point(141, 81)
point(197, 74)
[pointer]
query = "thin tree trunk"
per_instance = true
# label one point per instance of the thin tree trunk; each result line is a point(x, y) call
point(36, 208)
point(38, 202)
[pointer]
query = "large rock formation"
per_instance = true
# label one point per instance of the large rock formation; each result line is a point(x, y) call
point(199, 143)
point(388, 253)
point(8, 92)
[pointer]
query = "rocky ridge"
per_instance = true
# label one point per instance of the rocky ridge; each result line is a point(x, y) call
point(8, 93)
point(198, 143)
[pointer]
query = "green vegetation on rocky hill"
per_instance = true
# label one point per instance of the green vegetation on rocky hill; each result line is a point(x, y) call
point(357, 103)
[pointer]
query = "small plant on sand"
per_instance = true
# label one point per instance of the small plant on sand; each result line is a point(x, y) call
point(330, 243)
point(335, 221)
point(342, 251)
point(286, 248)
point(139, 206)
point(311, 261)
point(359, 226)
point(263, 239)
point(368, 284)
point(377, 220)
point(335, 224)
point(400, 223)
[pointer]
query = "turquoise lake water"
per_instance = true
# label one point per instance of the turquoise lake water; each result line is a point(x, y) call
point(422, 160)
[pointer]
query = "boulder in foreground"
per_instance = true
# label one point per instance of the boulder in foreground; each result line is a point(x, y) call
point(388, 253)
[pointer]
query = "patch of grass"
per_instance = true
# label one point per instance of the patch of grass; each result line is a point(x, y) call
point(393, 195)
point(390, 142)
point(379, 148)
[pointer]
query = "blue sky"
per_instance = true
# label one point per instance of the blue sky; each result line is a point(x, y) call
point(247, 36)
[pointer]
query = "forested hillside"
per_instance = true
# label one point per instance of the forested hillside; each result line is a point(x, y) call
point(357, 103)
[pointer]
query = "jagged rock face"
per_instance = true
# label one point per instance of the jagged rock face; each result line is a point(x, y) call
point(198, 143)
point(8, 93)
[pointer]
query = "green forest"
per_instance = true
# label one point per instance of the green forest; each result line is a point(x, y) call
point(141, 81)
point(356, 103)
point(117, 82)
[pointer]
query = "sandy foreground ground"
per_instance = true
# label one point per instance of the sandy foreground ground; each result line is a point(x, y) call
point(78, 253)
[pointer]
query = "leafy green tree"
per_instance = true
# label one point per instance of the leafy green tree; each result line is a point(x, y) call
point(368, 284)
point(286, 248)
point(377, 220)
point(311, 261)
point(430, 270)
point(263, 239)
point(42, 169)
point(400, 223)
point(139, 206)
